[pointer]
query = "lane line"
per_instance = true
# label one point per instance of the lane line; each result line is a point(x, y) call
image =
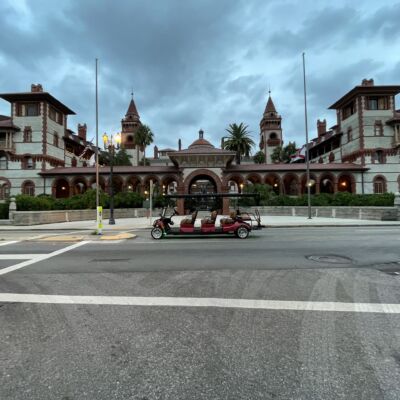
point(204, 302)
point(20, 256)
point(41, 258)
point(10, 242)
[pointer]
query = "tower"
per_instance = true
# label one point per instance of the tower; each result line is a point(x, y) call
point(130, 124)
point(270, 130)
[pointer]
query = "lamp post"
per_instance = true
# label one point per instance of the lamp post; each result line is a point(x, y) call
point(110, 144)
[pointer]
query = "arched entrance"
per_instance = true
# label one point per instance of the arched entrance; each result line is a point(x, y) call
point(274, 181)
point(327, 184)
point(203, 181)
point(346, 183)
point(61, 188)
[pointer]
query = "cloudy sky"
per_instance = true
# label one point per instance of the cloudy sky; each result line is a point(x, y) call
point(197, 63)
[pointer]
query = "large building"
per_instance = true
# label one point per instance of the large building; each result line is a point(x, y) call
point(360, 154)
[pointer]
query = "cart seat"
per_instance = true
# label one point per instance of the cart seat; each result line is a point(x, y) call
point(211, 220)
point(230, 220)
point(189, 221)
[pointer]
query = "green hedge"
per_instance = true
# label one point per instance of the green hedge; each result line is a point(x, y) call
point(135, 200)
point(4, 210)
point(78, 202)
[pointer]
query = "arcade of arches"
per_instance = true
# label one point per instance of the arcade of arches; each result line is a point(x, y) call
point(207, 181)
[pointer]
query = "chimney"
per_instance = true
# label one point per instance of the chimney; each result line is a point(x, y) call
point(36, 88)
point(179, 144)
point(321, 128)
point(367, 82)
point(82, 131)
point(155, 152)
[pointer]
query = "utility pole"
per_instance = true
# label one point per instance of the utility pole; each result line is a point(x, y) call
point(99, 208)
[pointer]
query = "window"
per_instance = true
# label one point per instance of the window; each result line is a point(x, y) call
point(28, 163)
point(3, 162)
point(378, 128)
point(4, 190)
point(27, 134)
point(349, 134)
point(379, 185)
point(74, 162)
point(348, 110)
point(28, 188)
point(273, 135)
point(378, 103)
point(55, 115)
point(379, 157)
point(55, 139)
point(28, 110)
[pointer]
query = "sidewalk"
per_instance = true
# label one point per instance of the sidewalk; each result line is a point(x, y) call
point(129, 224)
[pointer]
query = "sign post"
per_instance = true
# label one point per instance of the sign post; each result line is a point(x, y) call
point(99, 220)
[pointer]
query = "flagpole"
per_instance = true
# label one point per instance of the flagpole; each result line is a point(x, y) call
point(307, 152)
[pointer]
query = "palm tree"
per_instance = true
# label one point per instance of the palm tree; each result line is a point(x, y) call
point(143, 137)
point(239, 140)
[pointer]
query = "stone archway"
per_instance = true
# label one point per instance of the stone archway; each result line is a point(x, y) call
point(133, 184)
point(61, 188)
point(274, 181)
point(79, 185)
point(291, 184)
point(313, 186)
point(346, 183)
point(327, 183)
point(170, 184)
point(234, 183)
point(205, 173)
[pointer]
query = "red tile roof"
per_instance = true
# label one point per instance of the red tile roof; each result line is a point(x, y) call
point(270, 107)
point(106, 170)
point(295, 167)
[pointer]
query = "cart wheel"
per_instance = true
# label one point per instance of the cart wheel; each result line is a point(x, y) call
point(242, 232)
point(156, 233)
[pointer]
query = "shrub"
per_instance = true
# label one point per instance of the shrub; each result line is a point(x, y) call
point(4, 210)
point(128, 200)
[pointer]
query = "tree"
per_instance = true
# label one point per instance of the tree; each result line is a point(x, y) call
point(259, 157)
point(282, 154)
point(121, 157)
point(239, 140)
point(143, 137)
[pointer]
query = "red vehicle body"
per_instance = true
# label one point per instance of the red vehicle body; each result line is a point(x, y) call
point(238, 224)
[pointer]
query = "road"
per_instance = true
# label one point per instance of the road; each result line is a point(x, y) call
point(287, 314)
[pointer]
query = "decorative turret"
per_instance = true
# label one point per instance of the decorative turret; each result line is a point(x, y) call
point(130, 124)
point(270, 129)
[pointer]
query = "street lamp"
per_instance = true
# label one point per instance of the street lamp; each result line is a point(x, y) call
point(110, 144)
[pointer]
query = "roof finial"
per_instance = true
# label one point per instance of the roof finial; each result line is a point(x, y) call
point(269, 90)
point(201, 133)
point(132, 93)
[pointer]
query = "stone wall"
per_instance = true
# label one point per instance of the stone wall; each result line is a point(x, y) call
point(50, 217)
point(366, 213)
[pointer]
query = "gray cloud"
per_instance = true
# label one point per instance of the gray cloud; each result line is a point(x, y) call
point(193, 63)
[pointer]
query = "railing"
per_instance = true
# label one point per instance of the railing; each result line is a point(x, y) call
point(7, 145)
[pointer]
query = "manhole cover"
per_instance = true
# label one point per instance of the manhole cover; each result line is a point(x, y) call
point(331, 259)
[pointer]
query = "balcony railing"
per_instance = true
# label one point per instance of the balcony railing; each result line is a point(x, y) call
point(7, 145)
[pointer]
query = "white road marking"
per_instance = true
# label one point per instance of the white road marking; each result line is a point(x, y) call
point(20, 256)
point(41, 258)
point(9, 242)
point(203, 302)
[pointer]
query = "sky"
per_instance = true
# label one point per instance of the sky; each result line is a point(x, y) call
point(198, 64)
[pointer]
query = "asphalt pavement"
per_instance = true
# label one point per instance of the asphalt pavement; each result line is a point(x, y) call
point(286, 314)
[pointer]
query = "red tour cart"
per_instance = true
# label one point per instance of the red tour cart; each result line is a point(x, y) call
point(238, 223)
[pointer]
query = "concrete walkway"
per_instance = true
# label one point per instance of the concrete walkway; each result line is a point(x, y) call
point(127, 224)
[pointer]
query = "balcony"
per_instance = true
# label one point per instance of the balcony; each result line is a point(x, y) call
point(7, 145)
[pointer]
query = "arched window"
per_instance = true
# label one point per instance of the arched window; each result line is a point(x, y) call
point(379, 184)
point(4, 190)
point(28, 188)
point(74, 162)
point(331, 157)
point(27, 134)
point(273, 135)
point(55, 139)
